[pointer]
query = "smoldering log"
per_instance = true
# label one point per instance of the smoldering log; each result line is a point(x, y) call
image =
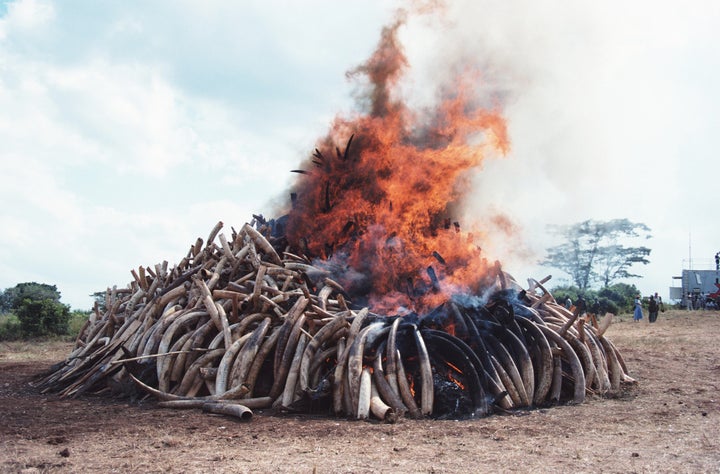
point(433, 278)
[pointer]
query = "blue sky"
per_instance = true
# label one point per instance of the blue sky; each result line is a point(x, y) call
point(128, 129)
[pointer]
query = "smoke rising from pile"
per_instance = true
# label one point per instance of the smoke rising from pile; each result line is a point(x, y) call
point(378, 201)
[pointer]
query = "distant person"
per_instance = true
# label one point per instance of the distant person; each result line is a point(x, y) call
point(717, 261)
point(653, 309)
point(580, 305)
point(638, 314)
point(688, 302)
point(568, 303)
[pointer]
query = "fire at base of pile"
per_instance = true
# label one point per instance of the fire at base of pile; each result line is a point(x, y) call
point(235, 327)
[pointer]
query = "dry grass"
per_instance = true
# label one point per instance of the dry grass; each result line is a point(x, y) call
point(29, 351)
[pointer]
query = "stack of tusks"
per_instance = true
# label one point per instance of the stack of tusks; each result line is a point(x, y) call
point(235, 327)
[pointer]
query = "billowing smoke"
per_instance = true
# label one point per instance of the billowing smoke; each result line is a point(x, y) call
point(379, 201)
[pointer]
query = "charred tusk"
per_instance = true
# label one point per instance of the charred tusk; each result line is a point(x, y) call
point(260, 357)
point(504, 358)
point(404, 387)
point(288, 357)
point(292, 377)
point(507, 382)
point(383, 387)
point(323, 334)
point(391, 372)
point(286, 329)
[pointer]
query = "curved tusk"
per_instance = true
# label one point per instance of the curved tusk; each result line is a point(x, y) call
point(238, 411)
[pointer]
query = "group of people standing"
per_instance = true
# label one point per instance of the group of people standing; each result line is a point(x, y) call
point(655, 304)
point(700, 300)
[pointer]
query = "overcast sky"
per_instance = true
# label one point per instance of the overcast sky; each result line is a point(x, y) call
point(129, 128)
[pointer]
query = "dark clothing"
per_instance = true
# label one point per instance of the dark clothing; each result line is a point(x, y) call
point(653, 310)
point(580, 306)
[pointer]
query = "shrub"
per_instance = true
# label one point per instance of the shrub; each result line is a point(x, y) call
point(77, 321)
point(612, 299)
point(606, 305)
point(43, 317)
point(10, 329)
point(622, 294)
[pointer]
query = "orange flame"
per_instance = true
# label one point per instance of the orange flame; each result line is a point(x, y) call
point(452, 378)
point(450, 328)
point(456, 382)
point(376, 201)
point(454, 367)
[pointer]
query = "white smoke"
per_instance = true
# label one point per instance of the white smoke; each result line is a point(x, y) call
point(601, 119)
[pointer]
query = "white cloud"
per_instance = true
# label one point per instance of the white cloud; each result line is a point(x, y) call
point(24, 16)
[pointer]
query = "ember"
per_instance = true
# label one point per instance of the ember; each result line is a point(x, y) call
point(364, 299)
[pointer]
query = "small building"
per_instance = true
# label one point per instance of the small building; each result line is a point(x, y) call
point(696, 284)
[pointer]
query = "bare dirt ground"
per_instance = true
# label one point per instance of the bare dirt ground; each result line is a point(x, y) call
point(668, 422)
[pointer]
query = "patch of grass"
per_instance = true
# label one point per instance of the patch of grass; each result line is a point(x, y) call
point(35, 350)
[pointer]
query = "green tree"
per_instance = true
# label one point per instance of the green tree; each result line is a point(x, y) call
point(43, 317)
point(621, 294)
point(37, 307)
point(99, 297)
point(11, 298)
point(593, 252)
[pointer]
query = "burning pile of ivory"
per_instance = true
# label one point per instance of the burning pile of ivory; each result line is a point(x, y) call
point(235, 326)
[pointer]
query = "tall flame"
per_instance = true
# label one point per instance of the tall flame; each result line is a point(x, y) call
point(376, 201)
